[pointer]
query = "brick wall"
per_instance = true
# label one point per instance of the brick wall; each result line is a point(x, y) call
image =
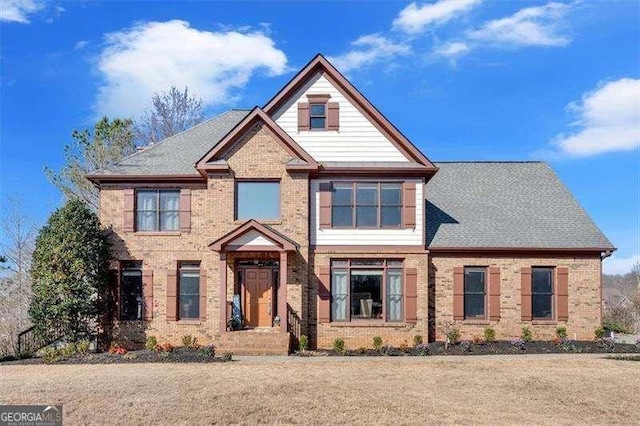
point(584, 296)
point(356, 335)
point(258, 155)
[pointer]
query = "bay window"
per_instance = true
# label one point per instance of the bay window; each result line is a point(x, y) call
point(367, 289)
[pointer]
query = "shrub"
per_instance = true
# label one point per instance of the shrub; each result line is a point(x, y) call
point(151, 343)
point(188, 341)
point(227, 356)
point(569, 346)
point(561, 332)
point(82, 347)
point(50, 354)
point(70, 267)
point(338, 345)
point(615, 327)
point(466, 346)
point(404, 346)
point(489, 334)
point(453, 335)
point(477, 340)
point(526, 334)
point(377, 343)
point(303, 343)
point(129, 355)
point(68, 350)
point(115, 349)
point(423, 349)
point(165, 347)
point(208, 351)
point(417, 340)
point(599, 333)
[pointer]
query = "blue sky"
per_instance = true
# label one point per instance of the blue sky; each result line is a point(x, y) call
point(464, 80)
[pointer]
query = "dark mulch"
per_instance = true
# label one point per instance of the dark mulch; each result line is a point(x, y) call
point(131, 357)
point(494, 348)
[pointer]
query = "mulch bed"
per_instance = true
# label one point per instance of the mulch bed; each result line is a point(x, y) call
point(132, 357)
point(493, 348)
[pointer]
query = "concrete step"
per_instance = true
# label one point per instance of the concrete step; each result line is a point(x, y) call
point(254, 343)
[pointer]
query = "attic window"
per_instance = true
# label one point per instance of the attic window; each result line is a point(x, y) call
point(318, 116)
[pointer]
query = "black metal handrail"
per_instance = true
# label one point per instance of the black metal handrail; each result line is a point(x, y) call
point(293, 322)
point(29, 341)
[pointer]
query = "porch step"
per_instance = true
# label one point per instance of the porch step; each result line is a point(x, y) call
point(254, 343)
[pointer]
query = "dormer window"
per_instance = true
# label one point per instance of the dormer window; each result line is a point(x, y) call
point(318, 116)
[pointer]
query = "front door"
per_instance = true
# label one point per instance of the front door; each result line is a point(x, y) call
point(257, 297)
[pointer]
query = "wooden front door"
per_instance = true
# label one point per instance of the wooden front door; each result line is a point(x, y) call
point(257, 297)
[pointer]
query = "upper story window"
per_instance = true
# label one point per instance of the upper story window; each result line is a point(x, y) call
point(158, 210)
point(318, 116)
point(542, 293)
point(366, 204)
point(258, 200)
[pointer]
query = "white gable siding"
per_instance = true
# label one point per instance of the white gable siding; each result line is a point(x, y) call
point(251, 238)
point(364, 237)
point(357, 140)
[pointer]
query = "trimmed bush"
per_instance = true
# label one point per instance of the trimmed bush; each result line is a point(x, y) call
point(599, 333)
point(338, 345)
point(453, 334)
point(526, 334)
point(151, 343)
point(561, 332)
point(417, 340)
point(303, 344)
point(377, 343)
point(489, 334)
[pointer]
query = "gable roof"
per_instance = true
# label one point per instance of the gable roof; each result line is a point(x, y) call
point(320, 64)
point(284, 243)
point(176, 155)
point(506, 205)
point(211, 160)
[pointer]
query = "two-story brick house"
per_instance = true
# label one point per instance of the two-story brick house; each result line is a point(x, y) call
point(315, 215)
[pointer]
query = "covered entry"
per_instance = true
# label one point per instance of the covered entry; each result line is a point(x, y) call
point(258, 255)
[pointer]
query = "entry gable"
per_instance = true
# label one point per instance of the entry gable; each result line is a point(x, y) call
point(214, 160)
point(252, 235)
point(355, 131)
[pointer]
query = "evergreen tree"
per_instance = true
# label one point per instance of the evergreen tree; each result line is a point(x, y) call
point(69, 271)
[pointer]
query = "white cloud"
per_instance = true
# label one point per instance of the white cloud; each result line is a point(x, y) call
point(532, 26)
point(609, 120)
point(151, 56)
point(414, 19)
point(452, 49)
point(18, 10)
point(80, 44)
point(620, 266)
point(367, 50)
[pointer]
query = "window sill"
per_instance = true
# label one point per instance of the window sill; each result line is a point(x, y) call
point(158, 233)
point(544, 322)
point(367, 324)
point(189, 322)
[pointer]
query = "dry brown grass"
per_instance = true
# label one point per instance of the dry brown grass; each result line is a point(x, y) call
point(497, 390)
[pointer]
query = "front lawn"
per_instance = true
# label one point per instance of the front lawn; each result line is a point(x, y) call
point(528, 389)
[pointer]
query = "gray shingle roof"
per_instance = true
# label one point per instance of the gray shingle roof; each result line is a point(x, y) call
point(178, 154)
point(501, 204)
